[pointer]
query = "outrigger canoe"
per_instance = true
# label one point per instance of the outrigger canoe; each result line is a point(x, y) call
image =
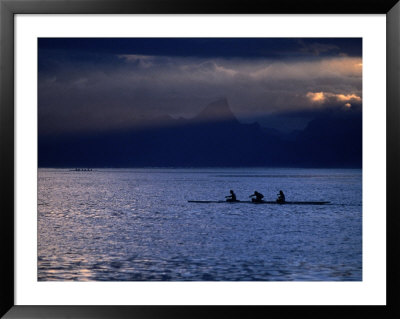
point(250, 202)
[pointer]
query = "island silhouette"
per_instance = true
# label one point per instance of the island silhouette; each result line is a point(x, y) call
point(212, 138)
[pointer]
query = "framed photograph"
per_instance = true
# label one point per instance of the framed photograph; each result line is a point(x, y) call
point(192, 159)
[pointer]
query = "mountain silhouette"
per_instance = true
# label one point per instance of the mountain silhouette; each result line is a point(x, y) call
point(218, 111)
point(332, 139)
point(213, 138)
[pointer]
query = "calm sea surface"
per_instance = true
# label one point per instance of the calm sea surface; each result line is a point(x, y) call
point(136, 225)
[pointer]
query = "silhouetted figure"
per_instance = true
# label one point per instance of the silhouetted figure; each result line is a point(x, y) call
point(231, 197)
point(258, 197)
point(281, 197)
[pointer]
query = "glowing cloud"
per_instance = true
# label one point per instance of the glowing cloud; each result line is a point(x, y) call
point(348, 97)
point(318, 97)
point(322, 97)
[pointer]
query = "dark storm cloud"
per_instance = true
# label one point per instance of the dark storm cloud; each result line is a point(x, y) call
point(279, 48)
point(101, 84)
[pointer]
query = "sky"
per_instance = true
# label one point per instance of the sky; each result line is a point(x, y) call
point(100, 84)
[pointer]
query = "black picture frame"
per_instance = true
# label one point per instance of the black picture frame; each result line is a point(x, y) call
point(8, 10)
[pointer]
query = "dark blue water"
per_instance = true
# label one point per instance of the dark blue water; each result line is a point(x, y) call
point(136, 225)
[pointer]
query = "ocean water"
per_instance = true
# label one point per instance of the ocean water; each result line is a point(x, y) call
point(137, 225)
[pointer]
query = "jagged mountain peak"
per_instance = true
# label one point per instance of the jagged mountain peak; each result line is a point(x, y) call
point(218, 110)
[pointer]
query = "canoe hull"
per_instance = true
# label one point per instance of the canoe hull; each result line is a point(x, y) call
point(259, 203)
